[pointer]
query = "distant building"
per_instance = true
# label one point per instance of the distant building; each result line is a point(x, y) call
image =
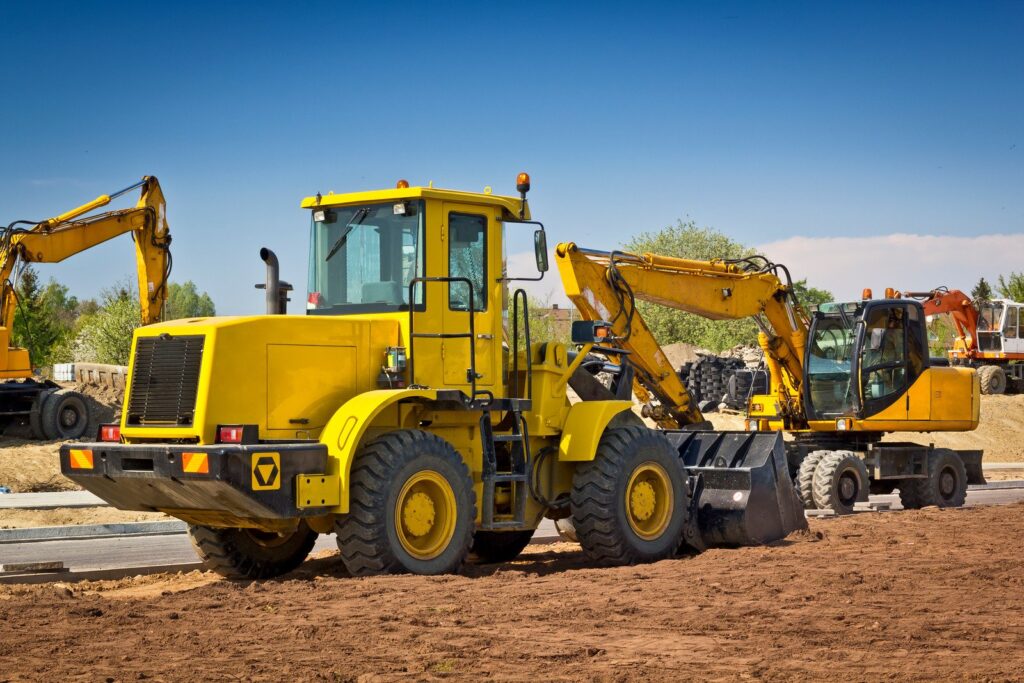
point(561, 319)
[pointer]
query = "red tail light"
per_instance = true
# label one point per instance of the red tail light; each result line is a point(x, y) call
point(110, 432)
point(230, 434)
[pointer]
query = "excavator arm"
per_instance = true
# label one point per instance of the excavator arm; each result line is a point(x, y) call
point(959, 306)
point(605, 286)
point(58, 238)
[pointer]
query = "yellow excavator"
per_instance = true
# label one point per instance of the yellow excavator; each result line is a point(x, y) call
point(840, 378)
point(52, 412)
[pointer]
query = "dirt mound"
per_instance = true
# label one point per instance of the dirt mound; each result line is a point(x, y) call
point(873, 596)
point(31, 466)
point(1000, 433)
point(680, 353)
point(23, 519)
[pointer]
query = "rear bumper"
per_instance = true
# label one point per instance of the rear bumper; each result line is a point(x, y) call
point(256, 481)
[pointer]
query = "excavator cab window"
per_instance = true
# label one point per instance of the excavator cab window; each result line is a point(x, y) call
point(830, 366)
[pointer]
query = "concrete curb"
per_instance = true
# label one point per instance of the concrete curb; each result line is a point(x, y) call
point(99, 574)
point(50, 500)
point(91, 531)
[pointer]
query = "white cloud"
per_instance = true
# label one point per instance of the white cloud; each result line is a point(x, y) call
point(846, 265)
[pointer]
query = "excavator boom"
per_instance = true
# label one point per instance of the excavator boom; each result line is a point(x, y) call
point(606, 285)
point(69, 233)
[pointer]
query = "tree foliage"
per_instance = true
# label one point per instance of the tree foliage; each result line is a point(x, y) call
point(1012, 286)
point(982, 291)
point(186, 301)
point(687, 240)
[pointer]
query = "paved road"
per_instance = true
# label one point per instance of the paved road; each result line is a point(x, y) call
point(174, 551)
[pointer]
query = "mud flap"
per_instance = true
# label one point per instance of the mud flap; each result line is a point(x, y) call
point(741, 491)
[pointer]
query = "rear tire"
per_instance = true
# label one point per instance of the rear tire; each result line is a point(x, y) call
point(840, 480)
point(65, 415)
point(629, 503)
point(35, 416)
point(499, 546)
point(411, 507)
point(249, 553)
point(992, 379)
point(946, 483)
point(805, 478)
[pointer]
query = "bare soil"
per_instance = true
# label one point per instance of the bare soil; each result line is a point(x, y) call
point(909, 596)
point(23, 519)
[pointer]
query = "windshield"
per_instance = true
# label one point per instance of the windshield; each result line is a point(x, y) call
point(362, 258)
point(829, 364)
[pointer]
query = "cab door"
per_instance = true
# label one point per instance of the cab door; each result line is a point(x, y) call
point(468, 233)
point(892, 359)
point(1013, 330)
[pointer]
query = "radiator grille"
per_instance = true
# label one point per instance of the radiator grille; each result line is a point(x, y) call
point(165, 381)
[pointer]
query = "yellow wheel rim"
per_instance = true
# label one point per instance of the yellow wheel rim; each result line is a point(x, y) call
point(425, 515)
point(649, 500)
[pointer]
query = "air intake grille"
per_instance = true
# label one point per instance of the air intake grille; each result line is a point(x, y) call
point(165, 381)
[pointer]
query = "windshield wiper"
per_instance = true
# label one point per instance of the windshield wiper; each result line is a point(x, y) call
point(358, 218)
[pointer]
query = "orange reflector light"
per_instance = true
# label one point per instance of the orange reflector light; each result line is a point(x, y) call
point(523, 182)
point(402, 184)
point(110, 432)
point(80, 459)
point(866, 294)
point(195, 463)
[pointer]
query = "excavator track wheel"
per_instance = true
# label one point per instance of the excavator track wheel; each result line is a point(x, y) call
point(629, 504)
point(805, 478)
point(412, 507)
point(65, 415)
point(946, 483)
point(499, 546)
point(840, 480)
point(250, 553)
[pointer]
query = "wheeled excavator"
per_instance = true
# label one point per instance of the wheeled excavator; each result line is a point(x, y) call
point(990, 336)
point(52, 412)
point(840, 378)
point(395, 414)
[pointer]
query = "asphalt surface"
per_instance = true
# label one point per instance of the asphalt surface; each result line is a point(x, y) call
point(125, 555)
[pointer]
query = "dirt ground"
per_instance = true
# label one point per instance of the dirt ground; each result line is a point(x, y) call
point(23, 519)
point(909, 596)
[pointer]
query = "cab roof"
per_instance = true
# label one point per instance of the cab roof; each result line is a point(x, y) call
point(509, 205)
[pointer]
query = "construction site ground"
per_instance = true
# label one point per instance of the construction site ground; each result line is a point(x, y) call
point(923, 595)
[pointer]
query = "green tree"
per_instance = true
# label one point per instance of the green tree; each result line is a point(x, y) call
point(106, 336)
point(185, 301)
point(811, 296)
point(1012, 287)
point(36, 326)
point(982, 291)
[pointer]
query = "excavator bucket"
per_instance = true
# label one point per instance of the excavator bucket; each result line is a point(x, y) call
point(742, 492)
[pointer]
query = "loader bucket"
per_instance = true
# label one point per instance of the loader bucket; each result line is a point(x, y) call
point(742, 491)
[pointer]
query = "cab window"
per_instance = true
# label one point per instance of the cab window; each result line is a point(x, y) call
point(884, 354)
point(467, 258)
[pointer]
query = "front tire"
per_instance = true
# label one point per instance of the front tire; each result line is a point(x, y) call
point(840, 480)
point(992, 379)
point(249, 553)
point(629, 504)
point(411, 507)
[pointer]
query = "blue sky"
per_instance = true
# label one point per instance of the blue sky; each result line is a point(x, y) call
point(772, 122)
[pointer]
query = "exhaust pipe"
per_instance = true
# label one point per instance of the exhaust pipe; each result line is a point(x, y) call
point(277, 291)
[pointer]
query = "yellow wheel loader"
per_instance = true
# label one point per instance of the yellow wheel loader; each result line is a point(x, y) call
point(52, 412)
point(397, 414)
point(839, 379)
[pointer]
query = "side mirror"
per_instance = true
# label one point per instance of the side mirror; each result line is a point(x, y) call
point(540, 249)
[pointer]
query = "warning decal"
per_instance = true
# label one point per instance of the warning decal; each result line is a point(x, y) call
point(266, 471)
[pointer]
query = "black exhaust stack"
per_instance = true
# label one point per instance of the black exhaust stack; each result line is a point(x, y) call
point(277, 291)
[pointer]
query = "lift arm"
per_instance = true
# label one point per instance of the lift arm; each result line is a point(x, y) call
point(56, 239)
point(960, 308)
point(605, 285)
